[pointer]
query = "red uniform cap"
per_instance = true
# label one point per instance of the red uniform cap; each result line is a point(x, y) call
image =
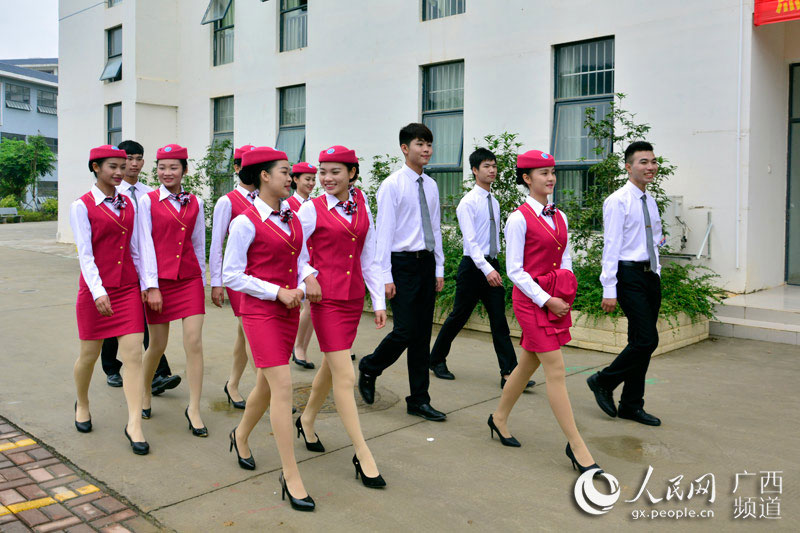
point(239, 152)
point(107, 150)
point(262, 154)
point(172, 151)
point(535, 159)
point(338, 154)
point(304, 168)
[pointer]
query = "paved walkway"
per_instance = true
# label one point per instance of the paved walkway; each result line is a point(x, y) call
point(728, 406)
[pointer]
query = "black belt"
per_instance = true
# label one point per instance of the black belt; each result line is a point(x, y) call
point(417, 255)
point(643, 265)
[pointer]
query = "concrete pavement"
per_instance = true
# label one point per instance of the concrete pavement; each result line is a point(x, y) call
point(727, 405)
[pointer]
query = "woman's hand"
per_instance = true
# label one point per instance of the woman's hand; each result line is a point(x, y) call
point(558, 306)
point(313, 290)
point(154, 300)
point(380, 318)
point(291, 298)
point(218, 296)
point(103, 305)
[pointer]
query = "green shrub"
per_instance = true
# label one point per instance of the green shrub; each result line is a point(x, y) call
point(9, 201)
point(50, 206)
point(37, 216)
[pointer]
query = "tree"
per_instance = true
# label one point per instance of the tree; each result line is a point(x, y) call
point(22, 164)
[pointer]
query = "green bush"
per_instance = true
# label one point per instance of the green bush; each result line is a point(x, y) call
point(9, 201)
point(37, 216)
point(50, 206)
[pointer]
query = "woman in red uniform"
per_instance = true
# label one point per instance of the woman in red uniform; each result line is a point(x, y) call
point(536, 247)
point(109, 299)
point(304, 179)
point(173, 233)
point(228, 207)
point(341, 225)
point(267, 260)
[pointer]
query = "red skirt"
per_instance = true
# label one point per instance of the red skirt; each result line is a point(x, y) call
point(271, 337)
point(182, 298)
point(336, 323)
point(235, 298)
point(535, 338)
point(126, 304)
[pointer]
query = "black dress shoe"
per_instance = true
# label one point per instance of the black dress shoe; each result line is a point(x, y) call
point(366, 386)
point(372, 482)
point(603, 396)
point(505, 441)
point(248, 463)
point(298, 504)
point(580, 468)
point(197, 432)
point(302, 363)
point(639, 415)
point(426, 411)
point(352, 357)
point(83, 427)
point(440, 371)
point(503, 381)
point(114, 380)
point(147, 413)
point(139, 448)
point(237, 405)
point(310, 446)
point(164, 383)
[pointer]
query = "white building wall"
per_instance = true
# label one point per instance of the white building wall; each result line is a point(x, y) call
point(677, 62)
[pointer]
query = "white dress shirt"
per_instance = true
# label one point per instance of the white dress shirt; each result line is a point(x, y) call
point(219, 229)
point(473, 218)
point(82, 230)
point(141, 191)
point(241, 236)
point(516, 228)
point(300, 198)
point(148, 252)
point(399, 224)
point(370, 266)
point(624, 234)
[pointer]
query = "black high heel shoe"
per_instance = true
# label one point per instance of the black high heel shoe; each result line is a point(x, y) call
point(577, 465)
point(197, 432)
point(247, 463)
point(83, 427)
point(139, 448)
point(237, 405)
point(510, 441)
point(147, 413)
point(371, 482)
point(302, 362)
point(310, 446)
point(298, 504)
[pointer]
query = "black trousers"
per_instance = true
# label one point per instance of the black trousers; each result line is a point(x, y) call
point(471, 286)
point(111, 365)
point(639, 296)
point(412, 309)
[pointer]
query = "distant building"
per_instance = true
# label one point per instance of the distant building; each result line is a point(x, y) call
point(28, 106)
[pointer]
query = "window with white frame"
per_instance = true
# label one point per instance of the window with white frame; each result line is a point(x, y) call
point(18, 97)
point(47, 102)
point(292, 122)
point(114, 124)
point(584, 78)
point(113, 68)
point(222, 134)
point(294, 28)
point(443, 113)
point(220, 14)
point(436, 9)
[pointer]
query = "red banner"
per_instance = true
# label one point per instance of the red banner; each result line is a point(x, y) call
point(771, 11)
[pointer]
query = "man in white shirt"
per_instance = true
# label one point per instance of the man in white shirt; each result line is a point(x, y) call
point(631, 276)
point(478, 278)
point(410, 251)
point(134, 189)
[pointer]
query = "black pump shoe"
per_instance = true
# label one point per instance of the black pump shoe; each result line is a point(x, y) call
point(248, 463)
point(298, 504)
point(83, 427)
point(376, 482)
point(147, 413)
point(503, 381)
point(311, 446)
point(302, 362)
point(237, 405)
point(197, 432)
point(139, 448)
point(510, 441)
point(577, 465)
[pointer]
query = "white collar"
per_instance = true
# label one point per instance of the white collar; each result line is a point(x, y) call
point(636, 191)
point(244, 192)
point(99, 196)
point(264, 211)
point(333, 201)
point(412, 174)
point(481, 191)
point(299, 198)
point(164, 193)
point(534, 203)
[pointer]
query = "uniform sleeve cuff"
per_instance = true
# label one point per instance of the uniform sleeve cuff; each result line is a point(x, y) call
point(387, 278)
point(487, 269)
point(98, 292)
point(541, 299)
point(151, 283)
point(610, 292)
point(440, 271)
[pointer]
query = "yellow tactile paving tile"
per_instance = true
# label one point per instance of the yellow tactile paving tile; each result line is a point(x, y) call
point(33, 504)
point(68, 495)
point(4, 511)
point(18, 444)
point(88, 489)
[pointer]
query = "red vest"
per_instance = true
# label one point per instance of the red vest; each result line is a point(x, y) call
point(544, 246)
point(172, 237)
point(272, 257)
point(337, 251)
point(239, 204)
point(111, 243)
point(294, 203)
